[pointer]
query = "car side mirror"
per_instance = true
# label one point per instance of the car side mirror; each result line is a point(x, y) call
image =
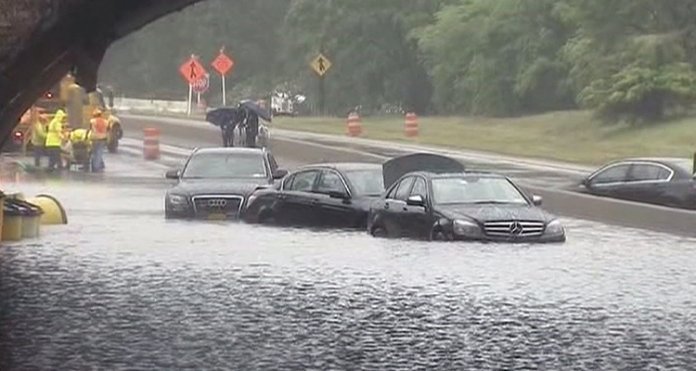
point(339, 195)
point(416, 200)
point(585, 182)
point(537, 200)
point(280, 174)
point(173, 174)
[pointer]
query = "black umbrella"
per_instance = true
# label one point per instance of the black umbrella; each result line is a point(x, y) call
point(222, 116)
point(258, 110)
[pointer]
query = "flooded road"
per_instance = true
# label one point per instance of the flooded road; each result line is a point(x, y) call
point(121, 288)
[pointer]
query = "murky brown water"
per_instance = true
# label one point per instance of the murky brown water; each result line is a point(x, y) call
point(121, 288)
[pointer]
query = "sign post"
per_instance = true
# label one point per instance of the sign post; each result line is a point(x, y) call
point(223, 65)
point(191, 71)
point(321, 65)
point(201, 86)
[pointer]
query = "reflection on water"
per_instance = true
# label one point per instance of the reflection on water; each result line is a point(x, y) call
point(122, 288)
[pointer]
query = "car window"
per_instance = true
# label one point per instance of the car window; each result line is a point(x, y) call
point(403, 190)
point(612, 174)
point(225, 166)
point(330, 181)
point(419, 188)
point(476, 190)
point(366, 182)
point(648, 172)
point(302, 182)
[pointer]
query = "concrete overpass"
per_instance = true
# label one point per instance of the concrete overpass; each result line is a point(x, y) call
point(41, 40)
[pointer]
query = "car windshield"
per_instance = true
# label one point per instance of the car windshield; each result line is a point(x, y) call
point(225, 165)
point(475, 190)
point(366, 182)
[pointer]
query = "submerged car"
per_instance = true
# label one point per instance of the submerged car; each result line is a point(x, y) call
point(660, 181)
point(333, 195)
point(442, 205)
point(215, 182)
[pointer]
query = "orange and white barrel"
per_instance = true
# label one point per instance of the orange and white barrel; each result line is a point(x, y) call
point(354, 125)
point(151, 150)
point(411, 125)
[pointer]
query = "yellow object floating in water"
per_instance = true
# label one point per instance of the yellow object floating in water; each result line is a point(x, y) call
point(53, 211)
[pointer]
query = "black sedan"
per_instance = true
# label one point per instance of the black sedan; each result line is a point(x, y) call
point(328, 195)
point(660, 181)
point(461, 206)
point(215, 182)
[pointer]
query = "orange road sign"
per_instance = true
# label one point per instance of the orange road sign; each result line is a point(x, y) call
point(192, 70)
point(222, 63)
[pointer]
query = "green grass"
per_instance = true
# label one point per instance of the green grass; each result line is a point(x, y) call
point(566, 136)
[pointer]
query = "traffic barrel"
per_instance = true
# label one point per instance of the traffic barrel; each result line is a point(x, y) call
point(411, 125)
point(151, 149)
point(354, 125)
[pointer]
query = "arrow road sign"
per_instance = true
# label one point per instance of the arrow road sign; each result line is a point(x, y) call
point(192, 70)
point(320, 65)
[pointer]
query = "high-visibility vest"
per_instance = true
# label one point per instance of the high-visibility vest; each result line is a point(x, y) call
point(78, 136)
point(54, 137)
point(38, 133)
point(99, 128)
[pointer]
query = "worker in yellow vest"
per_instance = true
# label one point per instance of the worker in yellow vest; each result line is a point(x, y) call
point(54, 139)
point(79, 139)
point(38, 139)
point(98, 136)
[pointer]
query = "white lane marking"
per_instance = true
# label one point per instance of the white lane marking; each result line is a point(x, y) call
point(180, 151)
point(139, 153)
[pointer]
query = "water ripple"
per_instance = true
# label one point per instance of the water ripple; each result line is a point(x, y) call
point(129, 290)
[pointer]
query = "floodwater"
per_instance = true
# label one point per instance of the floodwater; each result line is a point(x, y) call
point(121, 288)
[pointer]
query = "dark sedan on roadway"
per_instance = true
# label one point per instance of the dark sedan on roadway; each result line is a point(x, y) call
point(660, 181)
point(215, 182)
point(329, 195)
point(461, 206)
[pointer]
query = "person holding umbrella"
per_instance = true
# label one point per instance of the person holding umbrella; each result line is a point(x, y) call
point(253, 112)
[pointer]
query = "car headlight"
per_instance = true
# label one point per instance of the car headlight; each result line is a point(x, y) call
point(178, 200)
point(466, 228)
point(555, 228)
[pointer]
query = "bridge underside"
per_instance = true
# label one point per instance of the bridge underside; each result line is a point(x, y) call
point(41, 40)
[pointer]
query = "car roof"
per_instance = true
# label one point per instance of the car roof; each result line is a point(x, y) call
point(430, 175)
point(230, 150)
point(343, 166)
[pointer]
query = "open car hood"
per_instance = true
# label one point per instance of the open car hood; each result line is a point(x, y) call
point(397, 167)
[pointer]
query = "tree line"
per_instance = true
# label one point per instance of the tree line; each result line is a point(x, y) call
point(630, 60)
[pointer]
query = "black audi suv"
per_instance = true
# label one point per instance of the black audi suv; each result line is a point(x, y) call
point(214, 183)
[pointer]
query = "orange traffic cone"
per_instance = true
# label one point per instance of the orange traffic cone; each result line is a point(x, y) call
point(354, 125)
point(411, 125)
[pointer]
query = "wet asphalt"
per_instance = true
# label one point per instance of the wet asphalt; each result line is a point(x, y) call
point(121, 288)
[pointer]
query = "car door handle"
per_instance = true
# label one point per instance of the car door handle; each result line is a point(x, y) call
point(282, 197)
point(315, 202)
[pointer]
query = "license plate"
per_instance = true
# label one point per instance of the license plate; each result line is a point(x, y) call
point(217, 216)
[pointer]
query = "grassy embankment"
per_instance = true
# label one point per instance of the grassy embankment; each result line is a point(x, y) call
point(566, 136)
